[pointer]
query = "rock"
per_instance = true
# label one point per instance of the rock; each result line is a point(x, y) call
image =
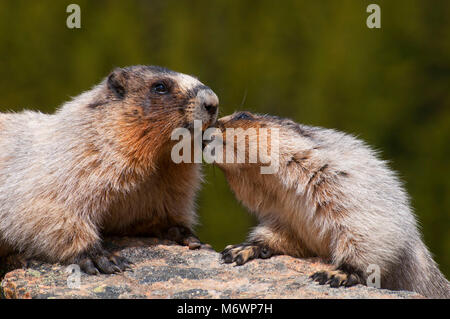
point(164, 270)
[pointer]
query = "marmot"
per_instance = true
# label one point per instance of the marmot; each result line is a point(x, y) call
point(333, 198)
point(101, 166)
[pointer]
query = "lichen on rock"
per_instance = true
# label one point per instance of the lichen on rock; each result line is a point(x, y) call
point(163, 269)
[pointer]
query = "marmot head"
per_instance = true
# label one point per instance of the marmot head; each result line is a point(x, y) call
point(250, 140)
point(141, 106)
point(150, 91)
point(260, 150)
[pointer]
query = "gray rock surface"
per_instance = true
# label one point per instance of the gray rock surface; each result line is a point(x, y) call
point(164, 270)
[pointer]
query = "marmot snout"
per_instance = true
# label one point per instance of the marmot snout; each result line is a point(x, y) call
point(101, 165)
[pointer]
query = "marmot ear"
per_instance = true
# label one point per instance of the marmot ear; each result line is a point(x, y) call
point(117, 82)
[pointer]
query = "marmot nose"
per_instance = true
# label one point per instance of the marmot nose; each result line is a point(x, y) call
point(210, 108)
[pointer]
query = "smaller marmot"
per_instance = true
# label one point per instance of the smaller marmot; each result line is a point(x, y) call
point(330, 197)
point(101, 165)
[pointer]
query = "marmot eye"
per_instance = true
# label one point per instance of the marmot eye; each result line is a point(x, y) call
point(160, 88)
point(242, 116)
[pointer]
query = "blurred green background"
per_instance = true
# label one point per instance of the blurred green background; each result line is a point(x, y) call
point(313, 61)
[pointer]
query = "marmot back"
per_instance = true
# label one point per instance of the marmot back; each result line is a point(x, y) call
point(101, 165)
point(331, 197)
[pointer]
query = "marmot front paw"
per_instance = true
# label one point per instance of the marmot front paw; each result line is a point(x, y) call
point(336, 278)
point(244, 252)
point(101, 261)
point(184, 236)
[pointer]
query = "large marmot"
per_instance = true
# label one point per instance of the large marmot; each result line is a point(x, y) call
point(101, 165)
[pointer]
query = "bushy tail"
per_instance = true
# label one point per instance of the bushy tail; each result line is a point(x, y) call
point(419, 273)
